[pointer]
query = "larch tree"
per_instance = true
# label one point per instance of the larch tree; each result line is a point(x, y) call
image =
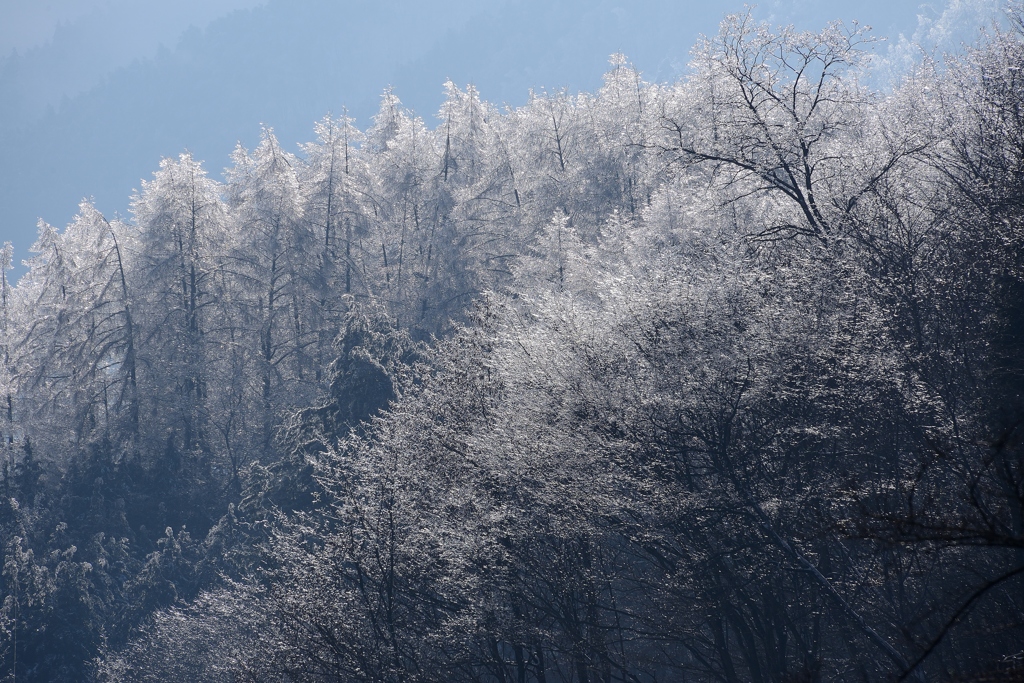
point(180, 219)
point(273, 249)
point(333, 179)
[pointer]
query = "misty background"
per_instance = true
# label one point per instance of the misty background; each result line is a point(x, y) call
point(94, 93)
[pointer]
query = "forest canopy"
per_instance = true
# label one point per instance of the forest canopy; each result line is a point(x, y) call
point(715, 380)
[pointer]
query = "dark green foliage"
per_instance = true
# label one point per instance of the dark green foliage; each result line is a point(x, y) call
point(373, 359)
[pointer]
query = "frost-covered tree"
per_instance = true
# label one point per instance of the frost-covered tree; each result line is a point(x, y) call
point(81, 338)
point(180, 220)
point(772, 114)
point(334, 178)
point(271, 252)
point(6, 330)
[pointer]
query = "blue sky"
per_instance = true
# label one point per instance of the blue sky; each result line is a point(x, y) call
point(94, 92)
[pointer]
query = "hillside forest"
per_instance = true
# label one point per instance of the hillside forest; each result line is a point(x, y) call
point(716, 380)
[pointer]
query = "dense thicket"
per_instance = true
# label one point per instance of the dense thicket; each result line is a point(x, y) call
point(717, 381)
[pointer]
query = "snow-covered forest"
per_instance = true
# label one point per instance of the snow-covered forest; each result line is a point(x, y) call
point(716, 380)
